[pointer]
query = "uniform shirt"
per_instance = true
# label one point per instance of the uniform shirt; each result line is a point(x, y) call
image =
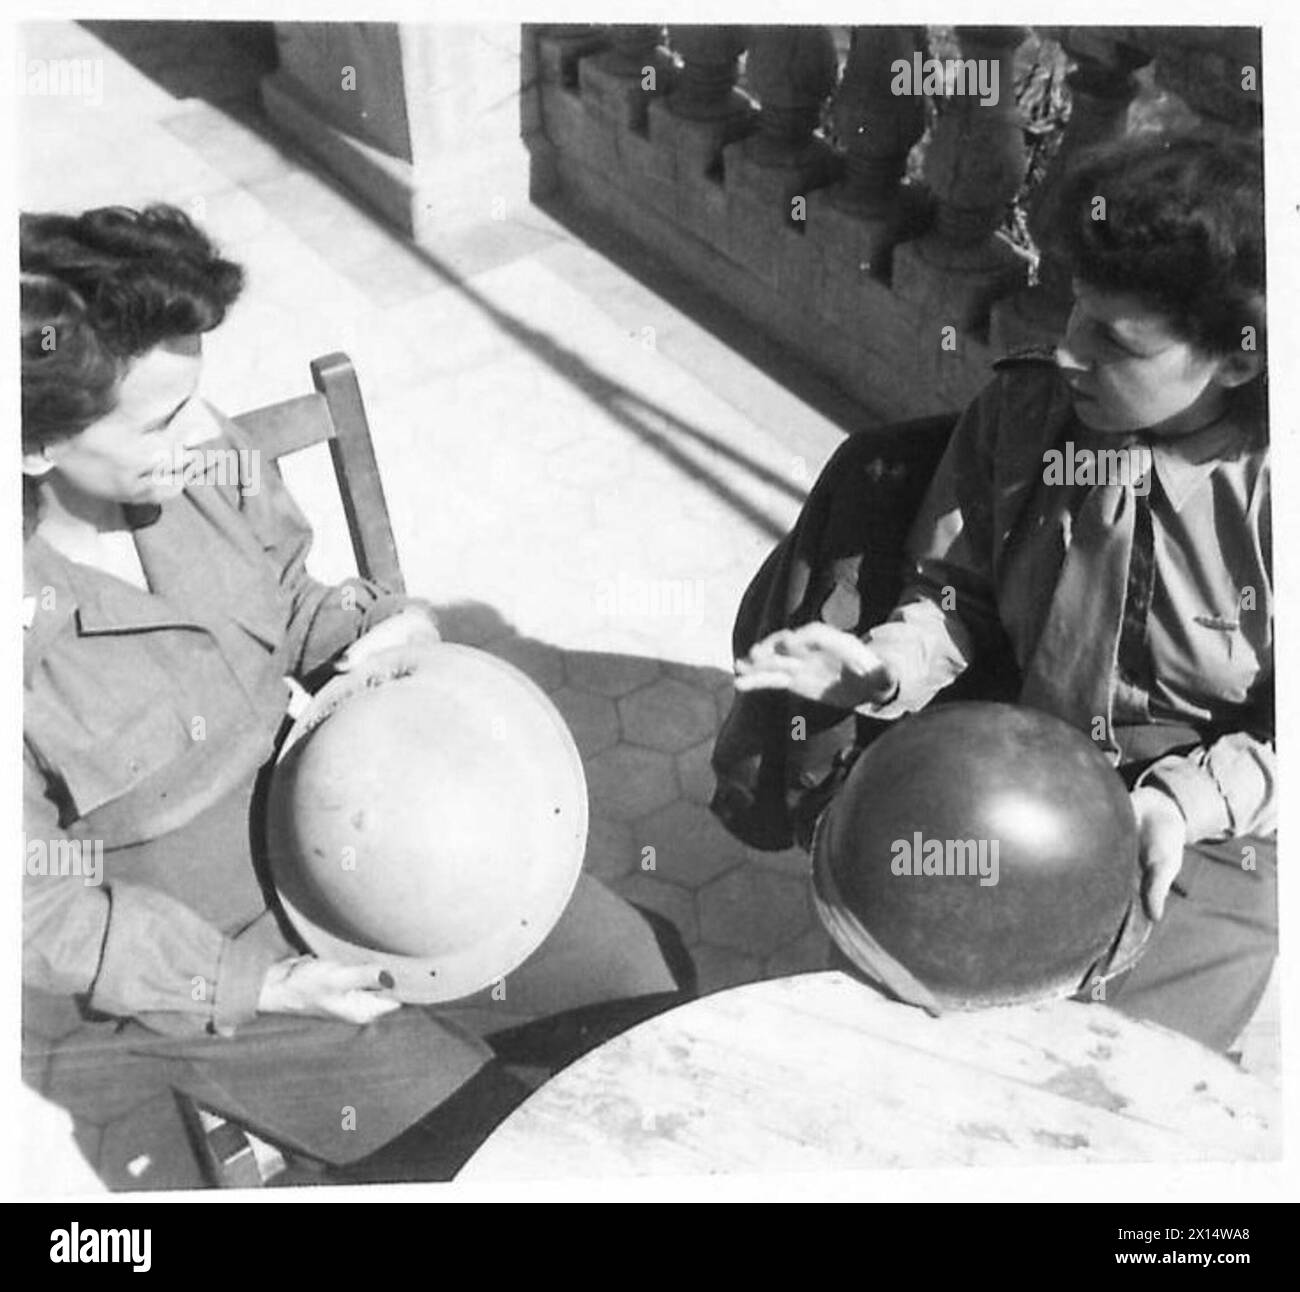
point(987, 550)
point(146, 717)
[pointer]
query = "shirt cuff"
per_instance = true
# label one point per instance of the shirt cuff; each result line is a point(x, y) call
point(1197, 794)
point(240, 974)
point(899, 702)
point(389, 604)
point(335, 624)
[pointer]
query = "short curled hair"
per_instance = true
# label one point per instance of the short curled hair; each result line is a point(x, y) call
point(1182, 228)
point(145, 276)
point(69, 378)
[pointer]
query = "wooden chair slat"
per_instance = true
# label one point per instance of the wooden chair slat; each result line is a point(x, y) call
point(357, 472)
point(335, 414)
point(289, 427)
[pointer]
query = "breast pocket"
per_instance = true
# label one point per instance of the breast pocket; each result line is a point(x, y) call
point(145, 745)
point(1227, 661)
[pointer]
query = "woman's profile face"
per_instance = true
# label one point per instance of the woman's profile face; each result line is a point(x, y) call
point(133, 453)
point(1128, 371)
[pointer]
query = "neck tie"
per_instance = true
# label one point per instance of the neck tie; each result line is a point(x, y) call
point(1101, 599)
point(1132, 656)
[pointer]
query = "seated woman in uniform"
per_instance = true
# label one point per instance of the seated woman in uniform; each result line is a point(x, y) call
point(161, 620)
point(1156, 643)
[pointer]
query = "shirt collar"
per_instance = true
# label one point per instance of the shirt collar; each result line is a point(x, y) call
point(98, 602)
point(1184, 462)
point(198, 582)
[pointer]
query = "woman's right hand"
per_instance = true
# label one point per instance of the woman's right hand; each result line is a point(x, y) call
point(326, 989)
point(817, 662)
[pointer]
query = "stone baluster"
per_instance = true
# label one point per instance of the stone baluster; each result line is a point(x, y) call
point(689, 126)
point(974, 166)
point(1102, 88)
point(633, 47)
point(706, 82)
point(859, 219)
point(770, 174)
point(621, 81)
point(792, 72)
point(876, 128)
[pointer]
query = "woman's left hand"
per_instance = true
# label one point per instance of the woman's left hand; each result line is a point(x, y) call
point(411, 628)
point(1162, 836)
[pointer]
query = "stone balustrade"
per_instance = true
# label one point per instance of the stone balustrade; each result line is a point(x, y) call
point(856, 217)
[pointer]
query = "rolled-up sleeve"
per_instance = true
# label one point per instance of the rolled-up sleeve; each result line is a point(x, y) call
point(1226, 788)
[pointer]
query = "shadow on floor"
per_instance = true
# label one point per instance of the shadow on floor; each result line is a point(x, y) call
point(645, 729)
point(220, 62)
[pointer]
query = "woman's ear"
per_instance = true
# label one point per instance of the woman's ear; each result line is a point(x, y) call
point(1239, 367)
point(37, 462)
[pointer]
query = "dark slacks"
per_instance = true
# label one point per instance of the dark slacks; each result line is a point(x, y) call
point(432, 1077)
point(1207, 962)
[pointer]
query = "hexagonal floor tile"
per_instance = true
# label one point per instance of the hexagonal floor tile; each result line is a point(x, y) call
point(695, 771)
point(668, 714)
point(700, 675)
point(793, 861)
point(754, 910)
point(626, 782)
point(592, 719)
point(611, 853)
point(809, 953)
point(543, 663)
point(669, 899)
point(608, 674)
point(719, 968)
point(691, 847)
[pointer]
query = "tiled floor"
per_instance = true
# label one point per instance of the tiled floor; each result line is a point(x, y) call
point(583, 476)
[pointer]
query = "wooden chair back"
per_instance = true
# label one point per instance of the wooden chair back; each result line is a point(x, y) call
point(334, 414)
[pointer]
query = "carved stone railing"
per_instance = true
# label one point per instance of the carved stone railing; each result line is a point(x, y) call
point(799, 201)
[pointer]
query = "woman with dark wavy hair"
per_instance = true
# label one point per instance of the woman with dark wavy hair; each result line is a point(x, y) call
point(1138, 610)
point(162, 615)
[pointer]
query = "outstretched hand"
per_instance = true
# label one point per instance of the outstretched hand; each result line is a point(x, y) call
point(817, 662)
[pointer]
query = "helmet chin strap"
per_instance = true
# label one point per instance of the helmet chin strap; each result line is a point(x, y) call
point(1124, 952)
point(850, 935)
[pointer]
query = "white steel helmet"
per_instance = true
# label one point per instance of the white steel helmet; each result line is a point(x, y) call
point(428, 814)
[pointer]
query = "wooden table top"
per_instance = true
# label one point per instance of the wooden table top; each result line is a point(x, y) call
point(820, 1072)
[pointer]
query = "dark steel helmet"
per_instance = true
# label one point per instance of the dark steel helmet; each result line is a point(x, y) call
point(981, 854)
